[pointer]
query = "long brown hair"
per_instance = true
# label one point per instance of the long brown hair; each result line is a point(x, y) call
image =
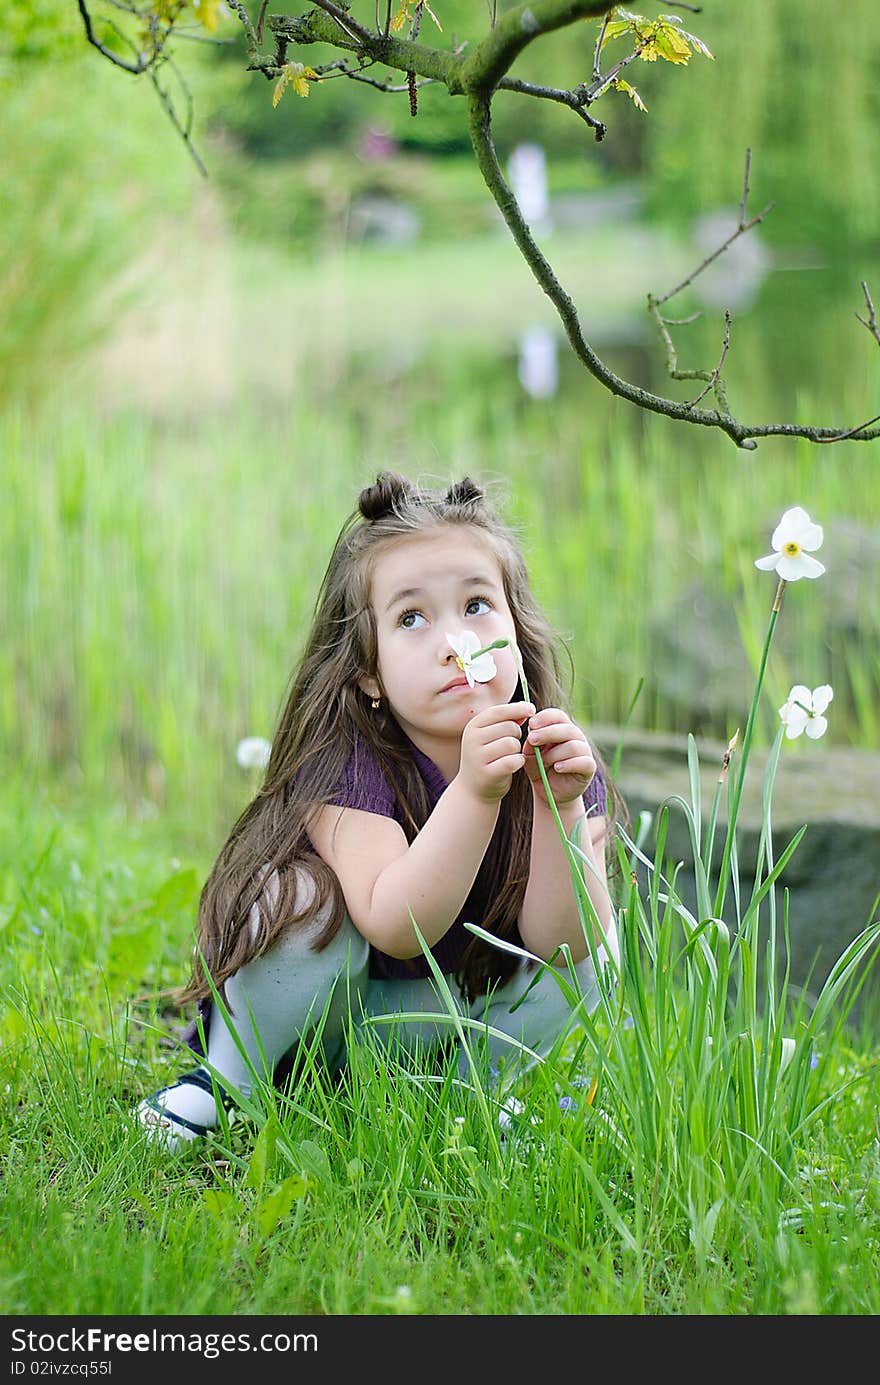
point(324, 713)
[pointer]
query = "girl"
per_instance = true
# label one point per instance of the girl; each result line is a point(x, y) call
point(399, 784)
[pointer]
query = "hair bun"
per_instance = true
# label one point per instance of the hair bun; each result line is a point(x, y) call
point(464, 492)
point(374, 502)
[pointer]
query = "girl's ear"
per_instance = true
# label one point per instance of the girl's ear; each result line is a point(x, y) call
point(369, 686)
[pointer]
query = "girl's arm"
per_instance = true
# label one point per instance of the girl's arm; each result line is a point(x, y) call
point(549, 914)
point(383, 878)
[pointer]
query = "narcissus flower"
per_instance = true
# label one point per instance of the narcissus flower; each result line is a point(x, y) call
point(802, 711)
point(253, 752)
point(476, 664)
point(794, 539)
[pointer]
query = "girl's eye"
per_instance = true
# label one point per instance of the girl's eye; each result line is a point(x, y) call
point(408, 617)
point(477, 601)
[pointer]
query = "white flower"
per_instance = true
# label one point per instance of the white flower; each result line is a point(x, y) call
point(253, 752)
point(476, 664)
point(794, 538)
point(803, 711)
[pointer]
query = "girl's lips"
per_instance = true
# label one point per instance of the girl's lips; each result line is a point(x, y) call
point(454, 687)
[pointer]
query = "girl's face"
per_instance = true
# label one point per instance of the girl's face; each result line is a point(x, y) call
point(447, 580)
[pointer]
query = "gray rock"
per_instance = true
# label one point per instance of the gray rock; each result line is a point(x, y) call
point(833, 876)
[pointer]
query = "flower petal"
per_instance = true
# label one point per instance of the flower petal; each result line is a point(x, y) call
point(812, 566)
point(793, 569)
point(801, 694)
point(464, 643)
point(483, 669)
point(816, 727)
point(795, 721)
point(821, 697)
point(769, 563)
point(810, 536)
point(790, 527)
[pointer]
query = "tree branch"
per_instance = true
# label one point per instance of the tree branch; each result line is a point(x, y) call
point(495, 54)
point(743, 434)
point(135, 68)
point(742, 227)
point(871, 322)
point(476, 73)
point(565, 98)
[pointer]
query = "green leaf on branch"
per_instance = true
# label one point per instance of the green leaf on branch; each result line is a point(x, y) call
point(296, 74)
point(701, 47)
point(662, 37)
point(621, 85)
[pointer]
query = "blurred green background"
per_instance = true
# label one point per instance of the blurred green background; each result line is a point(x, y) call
point(197, 375)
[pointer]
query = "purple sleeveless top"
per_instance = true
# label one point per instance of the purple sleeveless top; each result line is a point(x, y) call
point(365, 786)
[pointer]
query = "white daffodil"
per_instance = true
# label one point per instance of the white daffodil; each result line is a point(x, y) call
point(253, 752)
point(476, 664)
point(794, 539)
point(802, 711)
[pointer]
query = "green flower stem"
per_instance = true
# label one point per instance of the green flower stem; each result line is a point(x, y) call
point(496, 644)
point(550, 799)
point(747, 743)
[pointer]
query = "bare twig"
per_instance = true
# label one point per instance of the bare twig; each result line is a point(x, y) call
point(853, 432)
point(713, 378)
point(745, 192)
point(170, 111)
point(597, 51)
point(601, 83)
point(346, 23)
point(565, 98)
point(871, 323)
point(716, 373)
point(142, 64)
point(260, 20)
point(250, 32)
point(741, 228)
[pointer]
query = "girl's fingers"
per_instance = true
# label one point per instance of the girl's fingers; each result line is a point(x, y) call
point(562, 750)
point(549, 716)
point(504, 745)
point(556, 733)
point(583, 764)
point(509, 764)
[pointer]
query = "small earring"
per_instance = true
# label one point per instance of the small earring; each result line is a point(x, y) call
point(374, 703)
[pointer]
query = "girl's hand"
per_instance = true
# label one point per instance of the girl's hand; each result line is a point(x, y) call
point(490, 750)
point(568, 760)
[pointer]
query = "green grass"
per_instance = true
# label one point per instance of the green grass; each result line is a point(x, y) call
point(385, 1194)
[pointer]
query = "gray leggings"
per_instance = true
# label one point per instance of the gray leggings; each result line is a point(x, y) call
point(284, 995)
